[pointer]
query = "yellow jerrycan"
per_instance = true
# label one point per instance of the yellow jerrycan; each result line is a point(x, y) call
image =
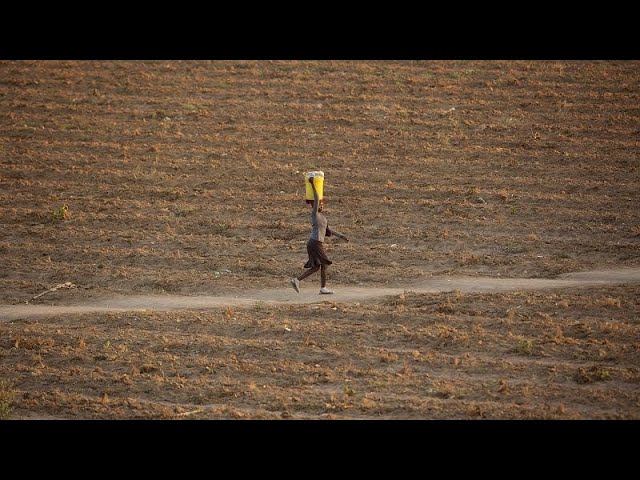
point(318, 181)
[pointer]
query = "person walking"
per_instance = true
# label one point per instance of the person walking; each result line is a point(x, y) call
point(318, 259)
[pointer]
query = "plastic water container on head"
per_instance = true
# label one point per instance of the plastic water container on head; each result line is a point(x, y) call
point(318, 181)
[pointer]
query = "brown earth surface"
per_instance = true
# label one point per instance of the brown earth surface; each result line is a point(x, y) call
point(185, 179)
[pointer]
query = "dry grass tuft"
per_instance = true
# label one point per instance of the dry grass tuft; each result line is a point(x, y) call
point(7, 397)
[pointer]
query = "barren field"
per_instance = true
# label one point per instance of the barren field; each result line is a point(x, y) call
point(170, 182)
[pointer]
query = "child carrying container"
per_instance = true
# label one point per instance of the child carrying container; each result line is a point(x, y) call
point(318, 259)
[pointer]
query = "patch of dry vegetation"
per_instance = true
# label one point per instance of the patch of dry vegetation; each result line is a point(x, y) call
point(565, 355)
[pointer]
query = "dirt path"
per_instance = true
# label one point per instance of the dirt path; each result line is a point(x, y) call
point(309, 294)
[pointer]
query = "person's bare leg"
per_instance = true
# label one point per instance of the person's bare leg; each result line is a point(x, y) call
point(295, 281)
point(311, 271)
point(323, 280)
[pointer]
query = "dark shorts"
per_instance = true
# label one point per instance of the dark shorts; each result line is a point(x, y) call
point(317, 255)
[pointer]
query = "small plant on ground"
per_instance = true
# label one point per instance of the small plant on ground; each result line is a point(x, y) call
point(60, 214)
point(7, 397)
point(524, 347)
point(591, 375)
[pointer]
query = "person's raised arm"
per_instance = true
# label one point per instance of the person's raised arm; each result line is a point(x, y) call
point(316, 200)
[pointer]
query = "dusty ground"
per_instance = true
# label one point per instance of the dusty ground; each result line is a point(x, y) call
point(561, 355)
point(186, 178)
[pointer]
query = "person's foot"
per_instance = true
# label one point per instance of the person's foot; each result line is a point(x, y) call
point(296, 284)
point(326, 291)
